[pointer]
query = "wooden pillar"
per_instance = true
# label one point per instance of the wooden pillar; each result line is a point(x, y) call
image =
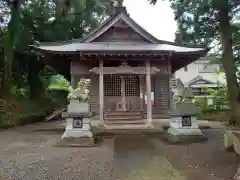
point(141, 92)
point(123, 93)
point(73, 81)
point(148, 84)
point(101, 93)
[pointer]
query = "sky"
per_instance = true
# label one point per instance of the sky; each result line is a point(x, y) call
point(156, 19)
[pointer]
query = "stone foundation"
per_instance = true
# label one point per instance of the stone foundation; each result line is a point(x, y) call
point(183, 124)
point(77, 142)
point(72, 132)
point(181, 138)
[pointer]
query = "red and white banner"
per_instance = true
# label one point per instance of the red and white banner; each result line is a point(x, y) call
point(152, 98)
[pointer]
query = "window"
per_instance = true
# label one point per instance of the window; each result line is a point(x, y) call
point(112, 85)
point(207, 68)
point(132, 86)
point(199, 92)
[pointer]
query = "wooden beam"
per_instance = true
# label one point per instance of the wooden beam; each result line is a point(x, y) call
point(101, 93)
point(123, 93)
point(125, 70)
point(141, 81)
point(148, 84)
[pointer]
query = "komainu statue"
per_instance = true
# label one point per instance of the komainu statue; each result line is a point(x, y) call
point(180, 93)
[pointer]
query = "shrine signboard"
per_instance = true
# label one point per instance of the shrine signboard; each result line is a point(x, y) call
point(186, 121)
point(77, 122)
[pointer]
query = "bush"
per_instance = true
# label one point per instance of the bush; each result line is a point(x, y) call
point(17, 111)
point(3, 120)
point(220, 101)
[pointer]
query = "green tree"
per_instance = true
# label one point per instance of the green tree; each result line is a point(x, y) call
point(9, 42)
point(41, 20)
point(203, 21)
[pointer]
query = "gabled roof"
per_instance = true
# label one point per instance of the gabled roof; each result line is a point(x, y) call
point(200, 78)
point(122, 15)
point(181, 55)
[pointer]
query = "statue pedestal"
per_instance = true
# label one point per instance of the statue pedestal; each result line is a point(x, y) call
point(183, 123)
point(78, 127)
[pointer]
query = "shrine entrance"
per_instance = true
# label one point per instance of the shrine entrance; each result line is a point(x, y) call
point(122, 92)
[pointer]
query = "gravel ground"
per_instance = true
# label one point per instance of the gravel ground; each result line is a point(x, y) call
point(198, 161)
point(28, 155)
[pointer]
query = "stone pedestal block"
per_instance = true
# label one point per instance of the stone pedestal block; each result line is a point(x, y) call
point(183, 124)
point(72, 131)
point(228, 141)
point(78, 127)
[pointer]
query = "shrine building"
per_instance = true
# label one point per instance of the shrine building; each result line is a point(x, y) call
point(130, 69)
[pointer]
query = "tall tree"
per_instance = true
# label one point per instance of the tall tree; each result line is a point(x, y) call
point(202, 21)
point(9, 42)
point(41, 20)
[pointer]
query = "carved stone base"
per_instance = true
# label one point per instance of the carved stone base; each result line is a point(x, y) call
point(77, 142)
point(77, 134)
point(185, 138)
point(72, 132)
point(177, 132)
point(182, 136)
point(228, 141)
point(236, 142)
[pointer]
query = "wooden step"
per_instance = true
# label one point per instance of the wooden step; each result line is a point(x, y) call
point(125, 122)
point(119, 118)
point(132, 110)
point(126, 126)
point(122, 113)
point(119, 114)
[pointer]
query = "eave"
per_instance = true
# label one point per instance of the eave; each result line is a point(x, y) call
point(61, 61)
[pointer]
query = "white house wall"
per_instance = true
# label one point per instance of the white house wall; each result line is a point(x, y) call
point(195, 69)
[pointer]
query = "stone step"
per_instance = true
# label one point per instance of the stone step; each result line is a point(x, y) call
point(125, 122)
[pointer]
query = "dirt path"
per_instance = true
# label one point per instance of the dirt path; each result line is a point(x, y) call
point(138, 159)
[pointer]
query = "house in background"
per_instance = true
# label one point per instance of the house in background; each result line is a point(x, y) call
point(200, 75)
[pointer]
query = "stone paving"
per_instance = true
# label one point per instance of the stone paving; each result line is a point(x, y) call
point(30, 155)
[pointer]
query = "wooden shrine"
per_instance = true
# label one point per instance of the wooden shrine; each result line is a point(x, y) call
point(130, 70)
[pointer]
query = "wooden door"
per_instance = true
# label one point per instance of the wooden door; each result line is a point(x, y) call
point(122, 92)
point(132, 92)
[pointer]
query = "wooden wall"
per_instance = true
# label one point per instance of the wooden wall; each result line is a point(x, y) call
point(160, 85)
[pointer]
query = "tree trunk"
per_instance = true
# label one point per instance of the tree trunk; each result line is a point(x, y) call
point(35, 84)
point(228, 64)
point(5, 83)
point(9, 42)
